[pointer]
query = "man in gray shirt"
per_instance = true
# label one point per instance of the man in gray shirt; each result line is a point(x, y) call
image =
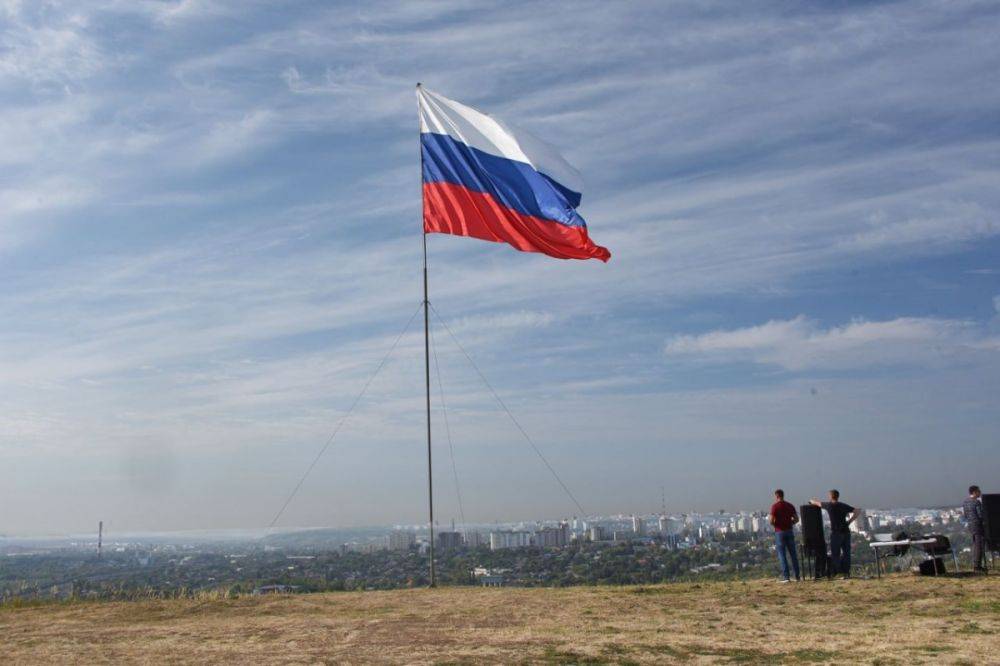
point(972, 507)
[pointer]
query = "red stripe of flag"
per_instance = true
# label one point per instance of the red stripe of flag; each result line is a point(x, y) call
point(453, 209)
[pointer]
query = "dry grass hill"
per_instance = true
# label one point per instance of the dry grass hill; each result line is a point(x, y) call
point(900, 620)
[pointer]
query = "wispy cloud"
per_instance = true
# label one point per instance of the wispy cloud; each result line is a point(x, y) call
point(802, 343)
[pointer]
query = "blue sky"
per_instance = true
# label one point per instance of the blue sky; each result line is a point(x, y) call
point(210, 235)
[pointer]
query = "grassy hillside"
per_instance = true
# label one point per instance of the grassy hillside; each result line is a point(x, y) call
point(898, 620)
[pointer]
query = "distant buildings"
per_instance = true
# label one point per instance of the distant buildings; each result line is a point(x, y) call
point(663, 525)
point(861, 524)
point(552, 537)
point(668, 526)
point(512, 539)
point(638, 526)
point(670, 531)
point(449, 540)
point(401, 540)
point(489, 577)
point(542, 537)
point(475, 539)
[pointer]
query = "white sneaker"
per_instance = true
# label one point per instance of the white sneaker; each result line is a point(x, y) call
point(784, 580)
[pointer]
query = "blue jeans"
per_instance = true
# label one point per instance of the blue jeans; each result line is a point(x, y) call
point(840, 552)
point(785, 542)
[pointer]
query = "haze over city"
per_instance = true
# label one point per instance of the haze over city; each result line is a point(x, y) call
point(211, 236)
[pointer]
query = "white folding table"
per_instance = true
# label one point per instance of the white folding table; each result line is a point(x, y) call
point(878, 546)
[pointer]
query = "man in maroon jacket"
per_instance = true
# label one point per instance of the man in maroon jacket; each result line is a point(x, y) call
point(783, 517)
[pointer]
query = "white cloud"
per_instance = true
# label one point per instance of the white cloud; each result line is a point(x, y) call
point(45, 195)
point(172, 13)
point(944, 223)
point(250, 131)
point(503, 321)
point(801, 343)
point(50, 55)
point(766, 336)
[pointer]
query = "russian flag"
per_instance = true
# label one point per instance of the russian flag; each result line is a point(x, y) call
point(483, 179)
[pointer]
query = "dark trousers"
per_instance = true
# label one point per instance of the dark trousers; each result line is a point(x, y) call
point(978, 551)
point(822, 563)
point(840, 552)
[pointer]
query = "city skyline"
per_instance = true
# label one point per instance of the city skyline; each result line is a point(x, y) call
point(453, 525)
point(211, 236)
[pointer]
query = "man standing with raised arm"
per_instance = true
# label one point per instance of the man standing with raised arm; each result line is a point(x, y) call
point(840, 532)
point(784, 516)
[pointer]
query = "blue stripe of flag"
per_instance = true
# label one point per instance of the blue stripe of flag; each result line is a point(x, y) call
point(513, 184)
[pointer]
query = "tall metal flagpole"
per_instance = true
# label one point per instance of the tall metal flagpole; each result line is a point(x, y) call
point(427, 377)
